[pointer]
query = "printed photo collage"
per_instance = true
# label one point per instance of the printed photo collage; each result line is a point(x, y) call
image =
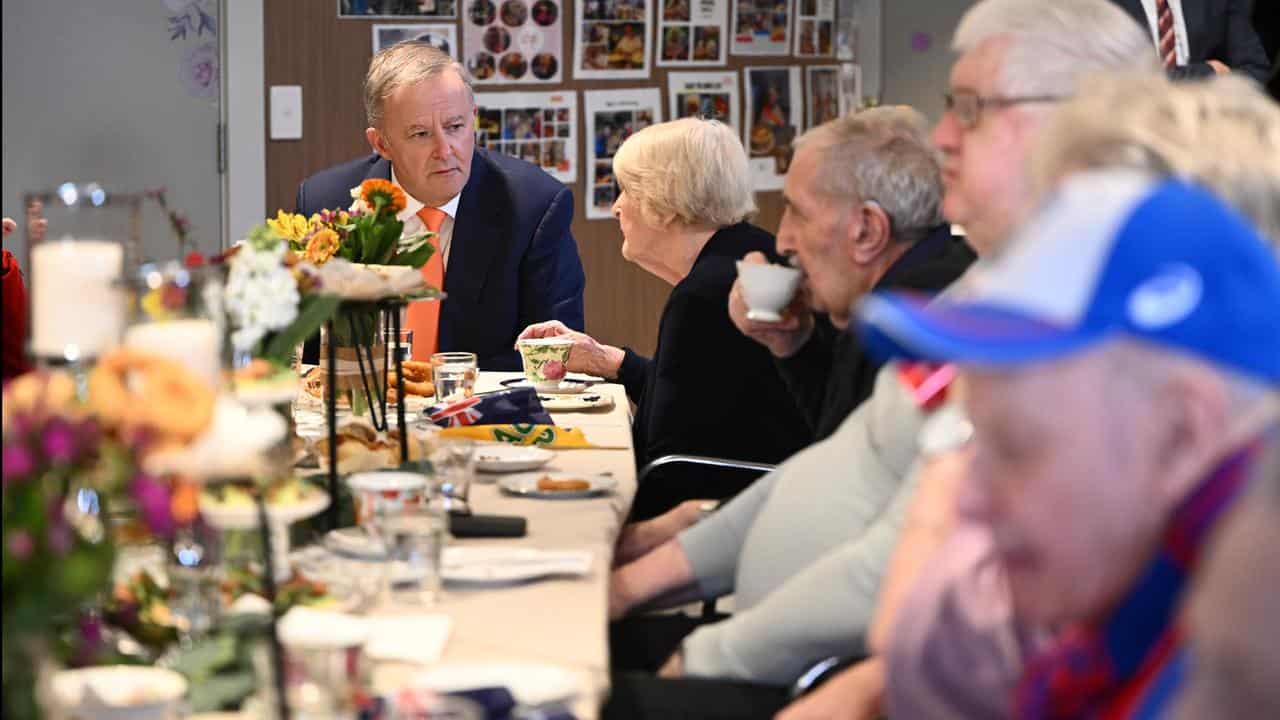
point(539, 135)
point(689, 36)
point(613, 35)
point(608, 131)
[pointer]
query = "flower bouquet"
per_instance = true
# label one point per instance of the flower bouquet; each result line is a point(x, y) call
point(362, 254)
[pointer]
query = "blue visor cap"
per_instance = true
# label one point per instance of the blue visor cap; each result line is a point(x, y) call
point(1112, 254)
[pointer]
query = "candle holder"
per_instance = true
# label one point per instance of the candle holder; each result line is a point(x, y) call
point(177, 312)
point(78, 296)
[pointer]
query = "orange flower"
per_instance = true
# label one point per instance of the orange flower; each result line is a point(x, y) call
point(322, 246)
point(391, 196)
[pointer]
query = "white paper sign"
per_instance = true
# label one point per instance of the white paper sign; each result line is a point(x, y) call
point(761, 27)
point(611, 39)
point(514, 41)
point(540, 127)
point(692, 32)
point(823, 97)
point(612, 117)
point(440, 36)
point(711, 95)
point(775, 115)
point(815, 28)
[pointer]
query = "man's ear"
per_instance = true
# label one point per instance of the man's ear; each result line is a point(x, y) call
point(873, 236)
point(1197, 408)
point(377, 142)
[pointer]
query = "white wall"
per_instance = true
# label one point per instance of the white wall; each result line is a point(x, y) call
point(912, 77)
point(91, 91)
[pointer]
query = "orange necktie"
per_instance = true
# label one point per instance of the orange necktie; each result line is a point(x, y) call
point(423, 318)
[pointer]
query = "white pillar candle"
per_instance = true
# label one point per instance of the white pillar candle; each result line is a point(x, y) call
point(192, 342)
point(77, 303)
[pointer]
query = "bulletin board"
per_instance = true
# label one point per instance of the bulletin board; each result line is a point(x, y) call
point(623, 302)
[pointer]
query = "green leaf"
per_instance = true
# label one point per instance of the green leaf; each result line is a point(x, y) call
point(206, 657)
point(414, 258)
point(221, 691)
point(313, 311)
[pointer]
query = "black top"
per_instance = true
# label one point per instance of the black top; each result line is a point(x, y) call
point(709, 389)
point(830, 375)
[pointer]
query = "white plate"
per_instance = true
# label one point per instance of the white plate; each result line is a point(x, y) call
point(529, 684)
point(569, 403)
point(526, 484)
point(387, 481)
point(503, 457)
point(245, 516)
point(121, 691)
point(572, 384)
point(483, 565)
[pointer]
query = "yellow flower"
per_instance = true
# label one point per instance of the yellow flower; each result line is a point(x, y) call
point(153, 305)
point(322, 246)
point(373, 189)
point(289, 226)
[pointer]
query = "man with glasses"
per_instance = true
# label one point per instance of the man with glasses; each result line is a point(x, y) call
point(867, 468)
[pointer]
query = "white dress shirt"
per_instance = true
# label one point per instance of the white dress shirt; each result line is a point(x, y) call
point(1181, 46)
point(414, 224)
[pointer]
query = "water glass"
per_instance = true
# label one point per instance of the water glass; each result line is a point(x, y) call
point(454, 375)
point(415, 546)
point(406, 346)
point(454, 463)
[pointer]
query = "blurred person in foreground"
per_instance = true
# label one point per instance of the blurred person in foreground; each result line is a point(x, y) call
point(1142, 311)
point(956, 651)
point(839, 503)
point(862, 212)
point(13, 340)
point(683, 210)
point(1230, 620)
point(505, 257)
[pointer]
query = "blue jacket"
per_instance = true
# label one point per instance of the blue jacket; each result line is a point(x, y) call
point(512, 260)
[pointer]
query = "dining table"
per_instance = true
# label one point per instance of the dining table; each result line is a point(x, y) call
point(559, 621)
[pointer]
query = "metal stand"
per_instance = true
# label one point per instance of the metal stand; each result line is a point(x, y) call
point(269, 586)
point(373, 389)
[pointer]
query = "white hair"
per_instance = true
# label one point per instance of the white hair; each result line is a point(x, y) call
point(692, 169)
point(1053, 46)
point(1222, 133)
point(883, 154)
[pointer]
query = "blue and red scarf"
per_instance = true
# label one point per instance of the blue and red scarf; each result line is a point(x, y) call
point(1132, 665)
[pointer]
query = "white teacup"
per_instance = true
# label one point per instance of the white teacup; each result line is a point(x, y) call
point(767, 289)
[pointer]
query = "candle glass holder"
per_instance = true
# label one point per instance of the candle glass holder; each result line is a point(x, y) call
point(178, 313)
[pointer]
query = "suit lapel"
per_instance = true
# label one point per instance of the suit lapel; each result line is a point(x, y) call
point(380, 167)
point(477, 238)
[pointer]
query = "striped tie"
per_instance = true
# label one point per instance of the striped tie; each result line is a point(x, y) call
point(1164, 26)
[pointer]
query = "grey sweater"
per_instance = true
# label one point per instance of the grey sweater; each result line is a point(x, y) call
point(803, 549)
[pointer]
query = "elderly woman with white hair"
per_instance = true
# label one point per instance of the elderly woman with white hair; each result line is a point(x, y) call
point(683, 208)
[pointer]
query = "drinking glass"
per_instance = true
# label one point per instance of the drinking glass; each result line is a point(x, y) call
point(454, 375)
point(415, 545)
point(406, 346)
point(454, 463)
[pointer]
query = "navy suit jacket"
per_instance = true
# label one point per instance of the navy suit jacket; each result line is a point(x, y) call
point(1216, 30)
point(512, 260)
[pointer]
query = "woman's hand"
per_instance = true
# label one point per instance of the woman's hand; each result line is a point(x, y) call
point(586, 356)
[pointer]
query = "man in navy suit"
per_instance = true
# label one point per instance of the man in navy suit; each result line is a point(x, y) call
point(1198, 38)
point(507, 257)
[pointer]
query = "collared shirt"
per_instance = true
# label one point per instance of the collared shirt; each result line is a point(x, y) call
point(1181, 46)
point(414, 224)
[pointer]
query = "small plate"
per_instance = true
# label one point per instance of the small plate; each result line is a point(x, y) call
point(572, 384)
point(118, 691)
point(526, 485)
point(244, 516)
point(501, 457)
point(764, 316)
point(530, 684)
point(570, 403)
point(496, 565)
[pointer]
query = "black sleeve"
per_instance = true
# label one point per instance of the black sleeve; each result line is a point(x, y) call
point(806, 373)
point(633, 374)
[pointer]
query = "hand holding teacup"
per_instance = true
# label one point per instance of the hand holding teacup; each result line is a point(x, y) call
point(586, 354)
point(768, 306)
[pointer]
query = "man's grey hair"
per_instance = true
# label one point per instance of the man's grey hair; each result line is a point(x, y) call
point(1054, 45)
point(406, 63)
point(882, 155)
point(1223, 134)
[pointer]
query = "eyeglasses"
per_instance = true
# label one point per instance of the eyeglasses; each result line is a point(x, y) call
point(967, 105)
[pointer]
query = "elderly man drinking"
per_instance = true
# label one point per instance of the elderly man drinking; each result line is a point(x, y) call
point(1121, 363)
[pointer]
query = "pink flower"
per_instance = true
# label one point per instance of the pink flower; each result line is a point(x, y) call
point(58, 441)
point(553, 370)
point(199, 72)
point(17, 463)
point(153, 500)
point(60, 538)
point(20, 544)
